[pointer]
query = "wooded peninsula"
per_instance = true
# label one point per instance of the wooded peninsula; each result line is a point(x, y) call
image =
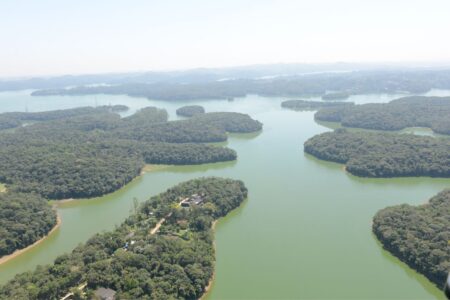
point(417, 111)
point(89, 152)
point(164, 250)
point(419, 236)
point(373, 154)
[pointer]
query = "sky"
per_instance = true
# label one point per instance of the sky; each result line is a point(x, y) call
point(50, 37)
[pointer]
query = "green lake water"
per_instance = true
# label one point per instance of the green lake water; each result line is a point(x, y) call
point(303, 233)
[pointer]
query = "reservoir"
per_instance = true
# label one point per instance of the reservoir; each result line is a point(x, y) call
point(305, 230)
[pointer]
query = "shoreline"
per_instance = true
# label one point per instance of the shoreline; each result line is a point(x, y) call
point(213, 277)
point(148, 168)
point(56, 204)
point(19, 252)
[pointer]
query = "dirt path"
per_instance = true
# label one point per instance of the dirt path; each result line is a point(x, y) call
point(158, 225)
point(16, 253)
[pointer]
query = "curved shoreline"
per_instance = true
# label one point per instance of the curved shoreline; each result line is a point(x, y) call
point(211, 281)
point(19, 252)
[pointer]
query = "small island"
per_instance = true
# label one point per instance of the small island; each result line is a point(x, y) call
point(416, 111)
point(418, 235)
point(372, 154)
point(164, 250)
point(190, 110)
point(303, 105)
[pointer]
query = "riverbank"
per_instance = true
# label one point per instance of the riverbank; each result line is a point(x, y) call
point(146, 169)
point(19, 252)
point(211, 281)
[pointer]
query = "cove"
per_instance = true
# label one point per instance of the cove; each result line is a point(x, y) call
point(304, 232)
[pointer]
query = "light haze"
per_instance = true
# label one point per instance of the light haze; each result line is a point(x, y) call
point(59, 37)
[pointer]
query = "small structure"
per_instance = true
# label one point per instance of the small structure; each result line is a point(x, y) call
point(195, 199)
point(105, 294)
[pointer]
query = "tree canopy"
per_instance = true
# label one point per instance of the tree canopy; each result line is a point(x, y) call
point(176, 262)
point(370, 154)
point(417, 111)
point(89, 155)
point(419, 236)
point(24, 219)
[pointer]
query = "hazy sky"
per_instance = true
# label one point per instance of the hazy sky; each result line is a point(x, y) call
point(92, 36)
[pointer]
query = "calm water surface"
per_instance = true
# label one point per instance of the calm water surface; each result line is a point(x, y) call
point(304, 232)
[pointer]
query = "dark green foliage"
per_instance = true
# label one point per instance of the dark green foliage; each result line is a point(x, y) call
point(432, 112)
point(203, 128)
point(90, 155)
point(24, 219)
point(58, 169)
point(228, 122)
point(419, 236)
point(383, 154)
point(175, 263)
point(310, 105)
point(181, 154)
point(190, 110)
point(336, 96)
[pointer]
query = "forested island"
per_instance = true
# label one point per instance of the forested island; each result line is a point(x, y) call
point(370, 154)
point(344, 83)
point(303, 105)
point(190, 110)
point(139, 259)
point(24, 218)
point(417, 111)
point(89, 152)
point(418, 236)
point(93, 154)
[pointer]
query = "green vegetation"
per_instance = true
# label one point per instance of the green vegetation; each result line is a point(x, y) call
point(190, 110)
point(24, 219)
point(177, 262)
point(94, 154)
point(183, 154)
point(16, 119)
point(383, 154)
point(351, 83)
point(301, 105)
point(432, 112)
point(336, 96)
point(419, 236)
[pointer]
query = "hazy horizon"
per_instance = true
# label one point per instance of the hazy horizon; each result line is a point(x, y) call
point(49, 37)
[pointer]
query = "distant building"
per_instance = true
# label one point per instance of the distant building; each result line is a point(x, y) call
point(195, 199)
point(105, 294)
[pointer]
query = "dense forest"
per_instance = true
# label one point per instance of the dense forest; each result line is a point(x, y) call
point(89, 155)
point(302, 105)
point(24, 219)
point(183, 154)
point(190, 110)
point(419, 236)
point(176, 262)
point(16, 119)
point(319, 84)
point(417, 111)
point(383, 154)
